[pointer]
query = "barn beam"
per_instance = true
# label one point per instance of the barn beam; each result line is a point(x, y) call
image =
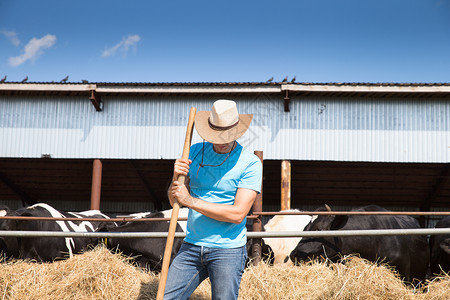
point(24, 197)
point(285, 185)
point(156, 201)
point(257, 224)
point(96, 187)
point(96, 101)
point(287, 102)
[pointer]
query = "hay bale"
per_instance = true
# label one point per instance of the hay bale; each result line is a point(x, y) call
point(356, 279)
point(96, 274)
point(438, 288)
point(99, 274)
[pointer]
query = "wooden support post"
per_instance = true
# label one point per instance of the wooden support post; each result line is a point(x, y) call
point(285, 185)
point(257, 225)
point(96, 184)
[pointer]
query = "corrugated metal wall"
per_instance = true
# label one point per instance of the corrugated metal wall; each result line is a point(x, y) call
point(355, 129)
point(316, 128)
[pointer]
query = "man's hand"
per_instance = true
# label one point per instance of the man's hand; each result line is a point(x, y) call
point(181, 167)
point(181, 194)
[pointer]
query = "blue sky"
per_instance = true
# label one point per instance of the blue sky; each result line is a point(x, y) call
point(400, 41)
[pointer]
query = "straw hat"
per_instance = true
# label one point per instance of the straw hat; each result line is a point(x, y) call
point(222, 124)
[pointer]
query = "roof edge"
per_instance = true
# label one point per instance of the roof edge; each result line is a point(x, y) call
point(220, 87)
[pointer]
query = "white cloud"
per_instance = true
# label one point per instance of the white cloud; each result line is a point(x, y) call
point(12, 36)
point(124, 45)
point(33, 49)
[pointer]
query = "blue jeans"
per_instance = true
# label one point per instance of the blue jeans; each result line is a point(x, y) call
point(193, 264)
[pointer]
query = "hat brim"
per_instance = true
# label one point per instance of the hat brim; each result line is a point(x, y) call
point(221, 136)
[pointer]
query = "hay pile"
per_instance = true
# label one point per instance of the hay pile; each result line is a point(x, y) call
point(356, 279)
point(98, 274)
point(437, 289)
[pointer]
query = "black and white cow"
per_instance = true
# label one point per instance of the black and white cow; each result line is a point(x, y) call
point(282, 247)
point(440, 249)
point(47, 249)
point(147, 252)
point(409, 254)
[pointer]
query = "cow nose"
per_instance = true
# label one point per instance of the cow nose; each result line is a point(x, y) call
point(297, 257)
point(293, 258)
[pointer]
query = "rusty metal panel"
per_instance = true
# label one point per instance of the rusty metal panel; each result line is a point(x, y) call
point(153, 127)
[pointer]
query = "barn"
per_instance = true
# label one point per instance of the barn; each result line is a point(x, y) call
point(345, 144)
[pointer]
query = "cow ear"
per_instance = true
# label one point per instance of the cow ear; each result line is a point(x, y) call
point(339, 222)
point(445, 246)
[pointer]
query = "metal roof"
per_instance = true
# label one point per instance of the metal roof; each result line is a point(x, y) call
point(248, 83)
point(282, 88)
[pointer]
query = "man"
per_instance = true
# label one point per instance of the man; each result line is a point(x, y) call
point(224, 179)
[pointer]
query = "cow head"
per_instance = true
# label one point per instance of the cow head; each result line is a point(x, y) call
point(266, 251)
point(319, 248)
point(4, 210)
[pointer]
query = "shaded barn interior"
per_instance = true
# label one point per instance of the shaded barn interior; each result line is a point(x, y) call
point(140, 185)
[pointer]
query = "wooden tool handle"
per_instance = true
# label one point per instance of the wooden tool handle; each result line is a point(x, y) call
point(187, 140)
point(175, 211)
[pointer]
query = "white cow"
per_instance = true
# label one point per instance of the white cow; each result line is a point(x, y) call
point(282, 247)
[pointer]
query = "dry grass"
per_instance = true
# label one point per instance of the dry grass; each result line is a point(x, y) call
point(438, 288)
point(356, 279)
point(98, 274)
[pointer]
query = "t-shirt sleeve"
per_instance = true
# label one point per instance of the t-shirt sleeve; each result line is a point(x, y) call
point(252, 176)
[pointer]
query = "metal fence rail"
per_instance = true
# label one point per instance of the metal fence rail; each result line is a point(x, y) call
point(75, 219)
point(362, 213)
point(275, 234)
point(255, 215)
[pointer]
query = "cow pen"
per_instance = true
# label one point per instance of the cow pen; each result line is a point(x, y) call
point(250, 234)
point(368, 272)
point(256, 233)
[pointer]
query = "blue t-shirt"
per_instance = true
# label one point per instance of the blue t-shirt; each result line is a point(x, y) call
point(242, 169)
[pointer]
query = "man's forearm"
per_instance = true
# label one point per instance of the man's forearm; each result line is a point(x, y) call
point(216, 211)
